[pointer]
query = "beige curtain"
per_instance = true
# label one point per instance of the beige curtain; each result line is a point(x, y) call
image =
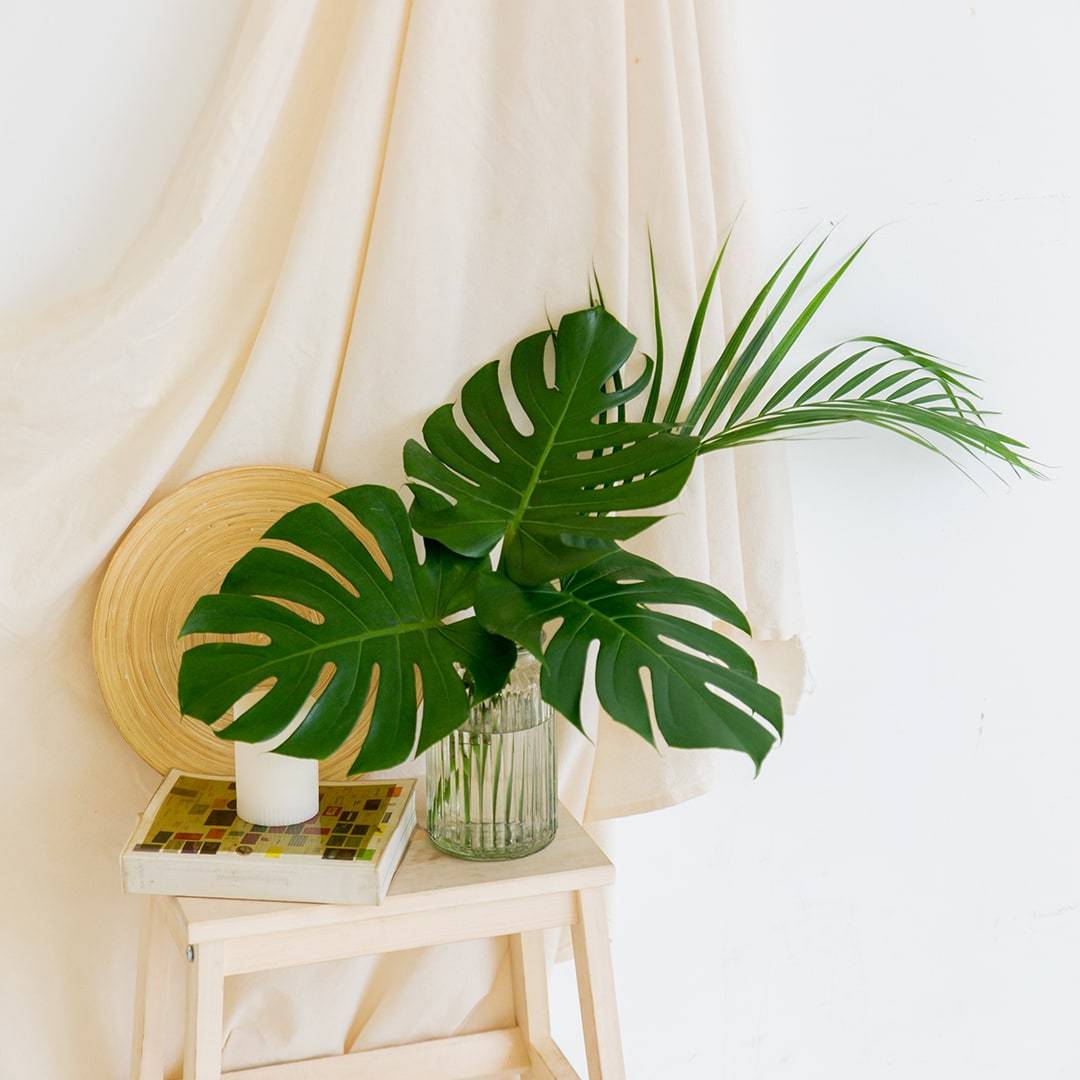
point(378, 197)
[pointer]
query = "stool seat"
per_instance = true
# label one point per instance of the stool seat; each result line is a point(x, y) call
point(433, 899)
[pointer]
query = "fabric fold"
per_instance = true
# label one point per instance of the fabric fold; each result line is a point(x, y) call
point(376, 199)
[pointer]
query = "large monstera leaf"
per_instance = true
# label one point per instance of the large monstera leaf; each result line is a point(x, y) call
point(393, 623)
point(552, 494)
point(708, 697)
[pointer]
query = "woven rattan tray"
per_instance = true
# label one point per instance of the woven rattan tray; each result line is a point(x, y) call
point(178, 550)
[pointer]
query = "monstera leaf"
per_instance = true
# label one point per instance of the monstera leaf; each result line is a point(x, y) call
point(706, 697)
point(394, 622)
point(549, 494)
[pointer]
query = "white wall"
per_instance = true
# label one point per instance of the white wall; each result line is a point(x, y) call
point(898, 894)
point(98, 100)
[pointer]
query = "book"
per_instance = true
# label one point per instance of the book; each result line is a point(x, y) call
point(189, 842)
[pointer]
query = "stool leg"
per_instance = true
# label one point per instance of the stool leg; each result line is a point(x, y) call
point(155, 960)
point(596, 989)
point(205, 995)
point(530, 983)
point(529, 968)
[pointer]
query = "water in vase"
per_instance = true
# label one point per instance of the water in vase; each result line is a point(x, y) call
point(492, 783)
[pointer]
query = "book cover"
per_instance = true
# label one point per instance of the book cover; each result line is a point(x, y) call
point(190, 842)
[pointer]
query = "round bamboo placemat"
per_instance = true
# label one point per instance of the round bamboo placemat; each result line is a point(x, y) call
point(178, 550)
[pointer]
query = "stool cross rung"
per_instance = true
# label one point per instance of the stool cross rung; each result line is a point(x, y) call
point(460, 1057)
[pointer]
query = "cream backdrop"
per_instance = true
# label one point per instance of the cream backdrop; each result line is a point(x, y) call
point(376, 198)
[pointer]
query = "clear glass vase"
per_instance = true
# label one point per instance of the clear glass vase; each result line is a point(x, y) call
point(491, 785)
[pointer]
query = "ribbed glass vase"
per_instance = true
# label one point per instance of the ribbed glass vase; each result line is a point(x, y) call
point(492, 783)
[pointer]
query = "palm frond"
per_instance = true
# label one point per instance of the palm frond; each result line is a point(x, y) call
point(870, 379)
point(686, 367)
point(862, 389)
point(723, 365)
point(599, 292)
point(658, 364)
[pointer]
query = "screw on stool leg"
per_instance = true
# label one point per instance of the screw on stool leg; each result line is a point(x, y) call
point(203, 1036)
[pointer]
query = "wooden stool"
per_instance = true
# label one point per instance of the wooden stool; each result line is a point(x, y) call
point(433, 900)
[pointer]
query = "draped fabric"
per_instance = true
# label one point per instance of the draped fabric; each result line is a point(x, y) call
point(377, 198)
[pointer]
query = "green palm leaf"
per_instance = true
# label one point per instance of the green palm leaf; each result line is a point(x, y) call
point(554, 495)
point(395, 623)
point(653, 401)
point(861, 388)
point(871, 380)
point(708, 697)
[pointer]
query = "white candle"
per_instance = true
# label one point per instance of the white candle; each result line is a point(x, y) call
point(274, 789)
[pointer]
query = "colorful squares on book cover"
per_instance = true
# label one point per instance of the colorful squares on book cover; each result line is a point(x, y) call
point(198, 817)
